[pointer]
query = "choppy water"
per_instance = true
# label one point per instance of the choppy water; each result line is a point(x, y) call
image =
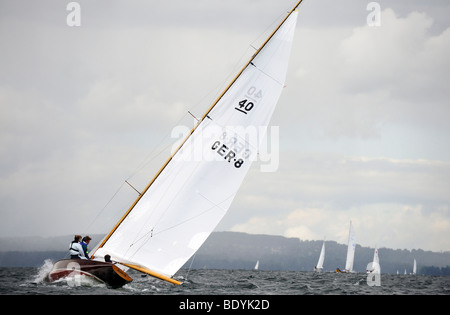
point(21, 281)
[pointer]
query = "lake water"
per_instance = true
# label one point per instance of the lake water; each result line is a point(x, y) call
point(21, 281)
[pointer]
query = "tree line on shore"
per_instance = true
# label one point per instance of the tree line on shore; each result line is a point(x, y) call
point(233, 250)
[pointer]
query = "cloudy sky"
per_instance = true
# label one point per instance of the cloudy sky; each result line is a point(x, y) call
point(361, 129)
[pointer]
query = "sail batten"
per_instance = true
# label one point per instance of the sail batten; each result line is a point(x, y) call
point(194, 189)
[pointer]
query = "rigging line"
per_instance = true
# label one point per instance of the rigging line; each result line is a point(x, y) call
point(190, 266)
point(152, 233)
point(222, 83)
point(157, 220)
point(153, 153)
point(245, 55)
point(106, 205)
point(150, 158)
point(215, 91)
point(268, 28)
point(161, 216)
point(198, 124)
point(248, 63)
point(214, 205)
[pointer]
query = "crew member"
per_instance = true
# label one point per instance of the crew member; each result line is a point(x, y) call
point(76, 250)
point(84, 243)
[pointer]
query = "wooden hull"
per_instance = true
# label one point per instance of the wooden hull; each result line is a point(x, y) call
point(108, 273)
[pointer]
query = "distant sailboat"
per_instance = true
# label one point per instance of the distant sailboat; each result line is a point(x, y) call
point(350, 249)
point(376, 257)
point(256, 266)
point(186, 199)
point(374, 266)
point(319, 266)
point(414, 267)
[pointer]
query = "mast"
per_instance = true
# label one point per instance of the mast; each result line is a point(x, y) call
point(249, 62)
point(191, 132)
point(195, 127)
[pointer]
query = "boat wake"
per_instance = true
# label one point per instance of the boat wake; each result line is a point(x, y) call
point(43, 271)
point(76, 280)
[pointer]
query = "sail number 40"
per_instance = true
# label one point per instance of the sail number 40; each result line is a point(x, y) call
point(252, 96)
point(245, 106)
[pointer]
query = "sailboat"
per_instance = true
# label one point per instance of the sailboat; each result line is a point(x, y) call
point(319, 266)
point(350, 251)
point(186, 199)
point(256, 265)
point(414, 267)
point(374, 266)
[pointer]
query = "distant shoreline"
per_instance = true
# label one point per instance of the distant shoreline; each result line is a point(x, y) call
point(235, 250)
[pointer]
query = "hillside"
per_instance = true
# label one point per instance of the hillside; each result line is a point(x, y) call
point(232, 250)
point(239, 250)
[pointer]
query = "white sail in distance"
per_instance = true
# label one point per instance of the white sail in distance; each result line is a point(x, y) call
point(374, 266)
point(376, 258)
point(321, 257)
point(193, 191)
point(350, 249)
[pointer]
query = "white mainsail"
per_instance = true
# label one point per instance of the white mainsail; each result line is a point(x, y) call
point(321, 257)
point(192, 192)
point(374, 266)
point(376, 258)
point(414, 267)
point(256, 265)
point(350, 249)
